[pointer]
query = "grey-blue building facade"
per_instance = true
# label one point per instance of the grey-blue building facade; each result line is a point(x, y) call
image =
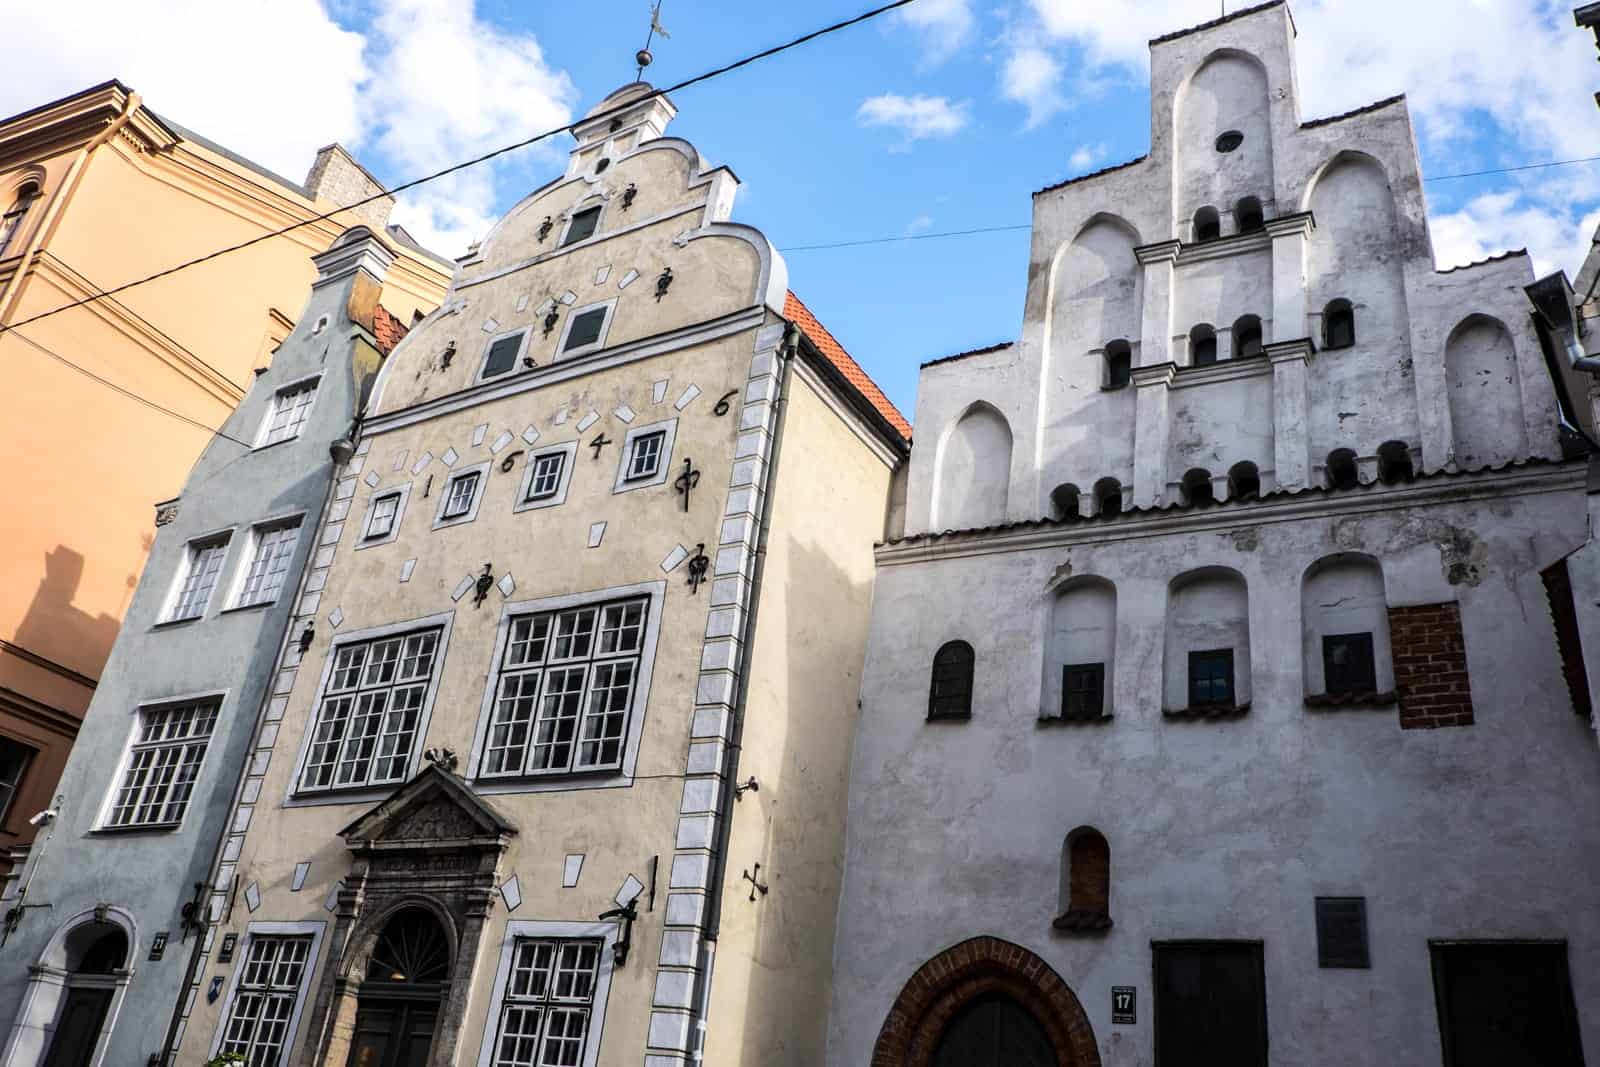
point(101, 925)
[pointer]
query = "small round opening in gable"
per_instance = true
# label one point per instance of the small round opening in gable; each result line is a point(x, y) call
point(599, 168)
point(1227, 142)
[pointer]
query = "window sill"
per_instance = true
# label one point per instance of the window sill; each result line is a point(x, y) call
point(1082, 922)
point(259, 605)
point(1073, 720)
point(134, 831)
point(1207, 711)
point(170, 624)
point(950, 718)
point(1335, 701)
point(275, 444)
point(317, 798)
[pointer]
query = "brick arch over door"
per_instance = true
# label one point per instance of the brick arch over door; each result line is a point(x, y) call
point(960, 975)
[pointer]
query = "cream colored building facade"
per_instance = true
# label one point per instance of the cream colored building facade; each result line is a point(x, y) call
point(97, 190)
point(559, 774)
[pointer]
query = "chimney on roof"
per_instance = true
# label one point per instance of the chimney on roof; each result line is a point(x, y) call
point(337, 179)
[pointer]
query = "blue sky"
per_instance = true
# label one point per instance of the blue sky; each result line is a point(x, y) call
point(945, 117)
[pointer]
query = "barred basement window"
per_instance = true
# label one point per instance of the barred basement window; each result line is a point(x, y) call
point(1348, 665)
point(269, 563)
point(291, 407)
point(367, 724)
point(546, 479)
point(548, 1004)
point(565, 691)
point(257, 1026)
point(950, 691)
point(645, 459)
point(582, 227)
point(203, 564)
point(1211, 678)
point(1083, 690)
point(163, 764)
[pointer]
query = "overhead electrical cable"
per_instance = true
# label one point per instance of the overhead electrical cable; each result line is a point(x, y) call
point(475, 161)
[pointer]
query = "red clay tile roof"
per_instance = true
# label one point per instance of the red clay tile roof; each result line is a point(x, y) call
point(388, 329)
point(818, 334)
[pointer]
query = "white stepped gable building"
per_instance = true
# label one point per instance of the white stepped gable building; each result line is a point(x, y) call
point(1213, 710)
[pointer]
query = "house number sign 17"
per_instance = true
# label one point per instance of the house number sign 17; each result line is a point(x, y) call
point(1124, 1005)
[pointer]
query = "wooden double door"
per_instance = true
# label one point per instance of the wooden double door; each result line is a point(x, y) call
point(394, 1028)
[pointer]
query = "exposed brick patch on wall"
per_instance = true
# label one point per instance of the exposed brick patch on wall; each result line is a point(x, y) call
point(961, 974)
point(1558, 590)
point(1430, 666)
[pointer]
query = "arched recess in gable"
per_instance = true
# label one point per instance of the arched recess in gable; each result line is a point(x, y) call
point(1226, 95)
point(1096, 289)
point(973, 474)
point(1486, 422)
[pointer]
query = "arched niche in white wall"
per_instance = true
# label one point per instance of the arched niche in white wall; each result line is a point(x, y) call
point(974, 471)
point(1344, 618)
point(1485, 396)
point(1080, 650)
point(1355, 254)
point(1096, 291)
point(1222, 134)
point(1208, 625)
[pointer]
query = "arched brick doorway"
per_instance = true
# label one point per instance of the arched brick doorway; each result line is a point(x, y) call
point(964, 973)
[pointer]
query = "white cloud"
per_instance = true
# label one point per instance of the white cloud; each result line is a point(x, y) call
point(916, 117)
point(1467, 86)
point(415, 101)
point(944, 26)
point(920, 224)
point(1086, 156)
point(1497, 222)
point(1032, 77)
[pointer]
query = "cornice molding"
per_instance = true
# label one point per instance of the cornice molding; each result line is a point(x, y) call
point(1154, 374)
point(1159, 252)
point(1294, 508)
point(1235, 244)
point(1224, 370)
point(1299, 350)
point(1299, 224)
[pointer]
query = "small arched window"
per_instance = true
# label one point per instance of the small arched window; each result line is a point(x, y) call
point(1394, 463)
point(1207, 225)
point(1119, 364)
point(1065, 499)
point(11, 221)
point(1085, 882)
point(1244, 481)
point(1248, 215)
point(1108, 497)
point(1342, 473)
point(1197, 488)
point(950, 693)
point(1338, 324)
point(1202, 345)
point(1247, 337)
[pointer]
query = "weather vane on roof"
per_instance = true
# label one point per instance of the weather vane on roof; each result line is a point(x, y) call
point(643, 56)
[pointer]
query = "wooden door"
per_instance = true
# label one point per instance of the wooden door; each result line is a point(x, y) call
point(78, 1028)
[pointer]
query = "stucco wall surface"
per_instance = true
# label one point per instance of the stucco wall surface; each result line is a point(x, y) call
point(1226, 828)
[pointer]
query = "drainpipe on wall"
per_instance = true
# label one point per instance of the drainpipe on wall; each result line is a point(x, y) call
point(787, 354)
point(57, 204)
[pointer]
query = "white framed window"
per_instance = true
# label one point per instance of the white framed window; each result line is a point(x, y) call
point(462, 493)
point(646, 456)
point(581, 226)
point(546, 477)
point(585, 329)
point(291, 407)
point(202, 563)
point(272, 547)
point(372, 707)
point(14, 760)
point(384, 511)
point(159, 772)
point(550, 992)
point(503, 354)
point(564, 707)
point(268, 991)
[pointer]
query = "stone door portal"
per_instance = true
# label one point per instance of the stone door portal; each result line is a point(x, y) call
point(399, 1004)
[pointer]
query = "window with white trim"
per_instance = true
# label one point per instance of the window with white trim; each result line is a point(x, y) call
point(14, 759)
point(163, 763)
point(367, 723)
point(644, 456)
point(202, 564)
point(585, 329)
point(545, 481)
point(381, 519)
point(462, 491)
point(565, 690)
point(291, 407)
point(257, 1026)
point(501, 355)
point(273, 549)
point(548, 1004)
point(582, 226)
